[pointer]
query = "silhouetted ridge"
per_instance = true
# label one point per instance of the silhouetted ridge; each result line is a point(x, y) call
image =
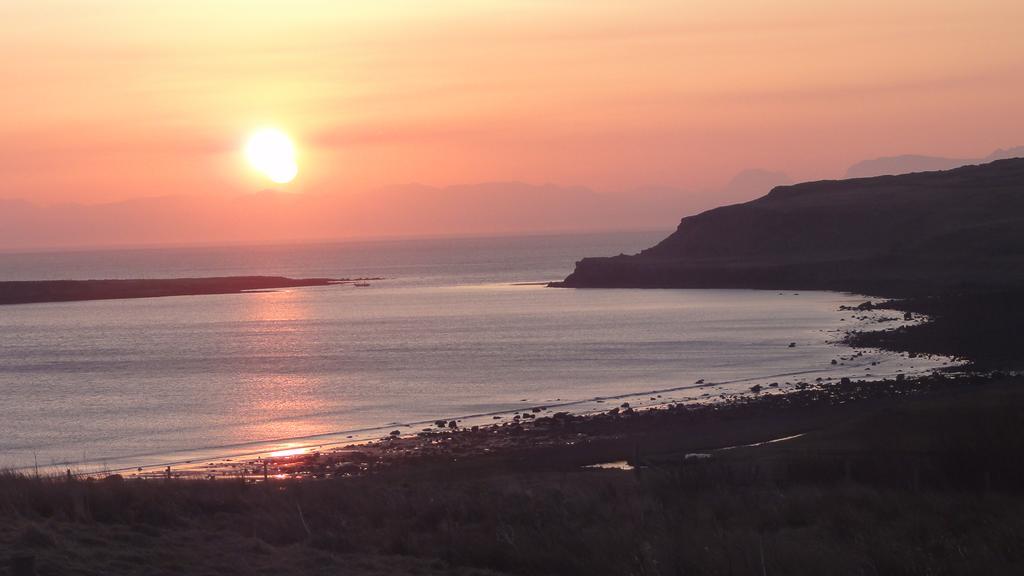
point(961, 228)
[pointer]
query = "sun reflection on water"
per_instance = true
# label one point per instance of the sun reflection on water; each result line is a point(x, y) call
point(273, 401)
point(289, 452)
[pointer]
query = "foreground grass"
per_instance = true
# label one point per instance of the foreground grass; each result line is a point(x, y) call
point(930, 486)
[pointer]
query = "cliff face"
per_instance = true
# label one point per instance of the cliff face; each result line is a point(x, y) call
point(929, 231)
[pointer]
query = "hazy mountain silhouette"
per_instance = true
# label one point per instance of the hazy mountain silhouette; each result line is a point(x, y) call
point(907, 164)
point(890, 234)
point(409, 210)
point(268, 216)
point(749, 184)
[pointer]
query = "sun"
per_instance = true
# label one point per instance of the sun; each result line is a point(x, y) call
point(271, 152)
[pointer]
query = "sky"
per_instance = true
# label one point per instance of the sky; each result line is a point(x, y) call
point(107, 101)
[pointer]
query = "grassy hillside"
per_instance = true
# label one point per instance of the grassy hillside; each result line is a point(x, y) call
point(915, 486)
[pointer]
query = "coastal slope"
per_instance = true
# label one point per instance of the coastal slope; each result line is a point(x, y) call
point(928, 232)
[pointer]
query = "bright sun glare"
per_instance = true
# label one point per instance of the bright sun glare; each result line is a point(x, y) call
point(271, 152)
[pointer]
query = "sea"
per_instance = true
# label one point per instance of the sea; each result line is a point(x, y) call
point(456, 329)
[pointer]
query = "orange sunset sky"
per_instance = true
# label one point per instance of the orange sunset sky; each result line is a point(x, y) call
point(110, 101)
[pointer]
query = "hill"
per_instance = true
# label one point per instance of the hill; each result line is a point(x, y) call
point(907, 163)
point(889, 235)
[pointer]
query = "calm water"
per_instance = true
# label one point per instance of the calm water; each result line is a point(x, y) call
point(448, 334)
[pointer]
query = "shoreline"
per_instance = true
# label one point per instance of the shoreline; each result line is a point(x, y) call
point(979, 326)
point(222, 462)
point(536, 429)
point(917, 341)
point(821, 467)
point(857, 475)
point(220, 458)
point(43, 291)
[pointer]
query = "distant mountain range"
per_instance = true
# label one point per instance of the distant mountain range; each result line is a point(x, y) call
point(491, 208)
point(269, 216)
point(909, 163)
point(887, 235)
point(751, 183)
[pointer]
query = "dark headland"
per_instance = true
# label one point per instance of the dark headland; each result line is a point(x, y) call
point(34, 291)
point(916, 234)
point(948, 244)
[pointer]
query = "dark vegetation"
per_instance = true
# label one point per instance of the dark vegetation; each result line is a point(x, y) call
point(920, 485)
point(24, 292)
